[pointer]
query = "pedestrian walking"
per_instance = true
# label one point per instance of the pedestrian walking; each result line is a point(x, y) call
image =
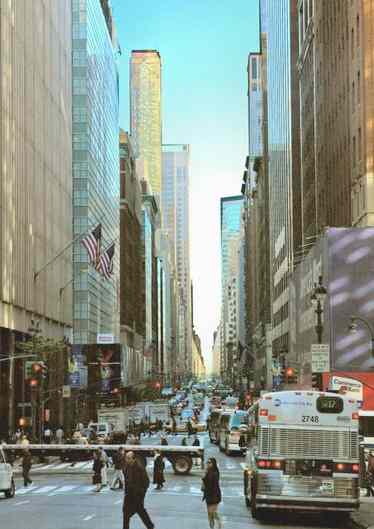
point(59, 435)
point(212, 493)
point(136, 486)
point(164, 441)
point(173, 425)
point(97, 468)
point(196, 443)
point(184, 441)
point(118, 462)
point(104, 468)
point(158, 471)
point(47, 435)
point(243, 443)
point(26, 467)
point(190, 429)
point(370, 474)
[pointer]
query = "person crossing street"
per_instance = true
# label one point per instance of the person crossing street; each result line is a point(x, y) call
point(158, 471)
point(118, 462)
point(136, 486)
point(26, 467)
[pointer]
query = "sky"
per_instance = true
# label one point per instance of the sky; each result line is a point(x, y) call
point(204, 46)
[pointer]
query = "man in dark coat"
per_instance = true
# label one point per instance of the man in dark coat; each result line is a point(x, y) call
point(136, 485)
point(158, 471)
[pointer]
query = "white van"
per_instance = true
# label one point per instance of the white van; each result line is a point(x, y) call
point(6, 476)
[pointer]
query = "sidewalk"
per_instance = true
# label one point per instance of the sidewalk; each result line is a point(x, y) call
point(364, 518)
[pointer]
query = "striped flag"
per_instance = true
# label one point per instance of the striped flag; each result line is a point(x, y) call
point(105, 264)
point(92, 243)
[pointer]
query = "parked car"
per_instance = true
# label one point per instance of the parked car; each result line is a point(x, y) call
point(7, 485)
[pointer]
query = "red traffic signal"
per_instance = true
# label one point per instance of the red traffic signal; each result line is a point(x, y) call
point(33, 383)
point(36, 367)
point(157, 385)
point(289, 372)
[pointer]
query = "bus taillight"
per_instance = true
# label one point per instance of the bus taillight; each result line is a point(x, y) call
point(263, 412)
point(274, 464)
point(347, 468)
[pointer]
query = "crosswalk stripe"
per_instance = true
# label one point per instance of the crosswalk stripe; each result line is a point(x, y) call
point(63, 465)
point(65, 488)
point(41, 490)
point(25, 490)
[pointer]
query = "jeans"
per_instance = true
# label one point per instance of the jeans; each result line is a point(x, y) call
point(117, 476)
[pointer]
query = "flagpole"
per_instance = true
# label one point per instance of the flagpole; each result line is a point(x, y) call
point(61, 252)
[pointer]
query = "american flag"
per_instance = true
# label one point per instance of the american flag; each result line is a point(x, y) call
point(92, 244)
point(105, 264)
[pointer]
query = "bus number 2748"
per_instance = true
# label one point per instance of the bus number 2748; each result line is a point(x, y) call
point(310, 418)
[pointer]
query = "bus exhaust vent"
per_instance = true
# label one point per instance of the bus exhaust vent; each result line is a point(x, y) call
point(314, 443)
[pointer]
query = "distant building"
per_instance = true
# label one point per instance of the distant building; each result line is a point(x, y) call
point(145, 109)
point(95, 169)
point(175, 206)
point(216, 353)
point(197, 363)
point(132, 273)
point(231, 214)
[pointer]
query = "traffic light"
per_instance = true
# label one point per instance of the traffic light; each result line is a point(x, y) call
point(34, 383)
point(157, 385)
point(40, 369)
point(291, 375)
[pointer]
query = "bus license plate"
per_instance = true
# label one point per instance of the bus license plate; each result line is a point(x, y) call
point(327, 487)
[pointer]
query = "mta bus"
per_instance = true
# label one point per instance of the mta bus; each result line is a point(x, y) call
point(303, 453)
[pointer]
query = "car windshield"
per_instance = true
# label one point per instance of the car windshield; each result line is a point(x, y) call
point(238, 419)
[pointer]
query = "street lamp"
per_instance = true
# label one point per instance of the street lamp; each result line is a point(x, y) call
point(317, 299)
point(353, 326)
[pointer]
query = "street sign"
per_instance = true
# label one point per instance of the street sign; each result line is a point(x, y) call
point(320, 357)
point(105, 338)
point(66, 392)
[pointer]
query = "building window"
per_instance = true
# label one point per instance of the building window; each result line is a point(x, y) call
point(358, 87)
point(358, 31)
point(254, 68)
point(352, 42)
point(353, 96)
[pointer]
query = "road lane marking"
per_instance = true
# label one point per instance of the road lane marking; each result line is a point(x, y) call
point(117, 502)
point(42, 490)
point(25, 490)
point(89, 517)
point(243, 465)
point(61, 490)
point(21, 503)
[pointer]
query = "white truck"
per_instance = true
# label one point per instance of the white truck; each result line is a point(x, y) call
point(158, 411)
point(117, 419)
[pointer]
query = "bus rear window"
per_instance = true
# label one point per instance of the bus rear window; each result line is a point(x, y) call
point(330, 404)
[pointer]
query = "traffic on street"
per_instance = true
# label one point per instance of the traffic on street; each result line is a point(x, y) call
point(65, 493)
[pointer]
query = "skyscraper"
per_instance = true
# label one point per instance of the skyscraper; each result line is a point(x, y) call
point(254, 111)
point(231, 213)
point(175, 205)
point(35, 186)
point(145, 109)
point(283, 126)
point(95, 167)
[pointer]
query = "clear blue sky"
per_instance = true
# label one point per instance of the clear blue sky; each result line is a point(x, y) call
point(204, 45)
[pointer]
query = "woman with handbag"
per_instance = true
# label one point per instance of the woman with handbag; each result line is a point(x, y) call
point(212, 492)
point(97, 468)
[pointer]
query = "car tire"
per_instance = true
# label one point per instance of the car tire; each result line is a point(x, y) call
point(11, 492)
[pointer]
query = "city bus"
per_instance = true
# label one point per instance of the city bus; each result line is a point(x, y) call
point(303, 453)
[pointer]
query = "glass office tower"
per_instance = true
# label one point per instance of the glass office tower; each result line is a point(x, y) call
point(231, 208)
point(254, 111)
point(95, 167)
point(283, 152)
point(145, 109)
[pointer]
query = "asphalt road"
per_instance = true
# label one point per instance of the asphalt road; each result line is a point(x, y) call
point(68, 502)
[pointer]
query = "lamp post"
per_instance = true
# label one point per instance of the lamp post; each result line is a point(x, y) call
point(353, 328)
point(317, 299)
